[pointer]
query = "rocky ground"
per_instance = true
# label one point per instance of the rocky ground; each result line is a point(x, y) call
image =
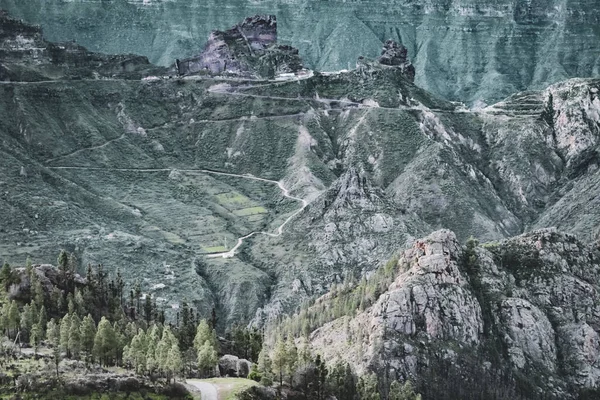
point(530, 302)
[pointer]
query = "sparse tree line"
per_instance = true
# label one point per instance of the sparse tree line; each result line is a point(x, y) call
point(291, 363)
point(92, 320)
point(344, 299)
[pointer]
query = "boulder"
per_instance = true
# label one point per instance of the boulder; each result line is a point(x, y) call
point(233, 366)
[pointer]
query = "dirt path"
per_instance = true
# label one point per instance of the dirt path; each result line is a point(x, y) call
point(208, 390)
point(228, 254)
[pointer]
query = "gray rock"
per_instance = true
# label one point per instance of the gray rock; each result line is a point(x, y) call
point(232, 366)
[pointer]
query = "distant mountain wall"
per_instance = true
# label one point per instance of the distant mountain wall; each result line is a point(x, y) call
point(467, 50)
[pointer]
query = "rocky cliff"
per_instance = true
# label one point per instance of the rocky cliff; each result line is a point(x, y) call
point(469, 50)
point(248, 49)
point(530, 303)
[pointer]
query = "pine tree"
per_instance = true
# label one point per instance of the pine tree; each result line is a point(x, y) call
point(367, 387)
point(163, 348)
point(321, 377)
point(88, 335)
point(148, 309)
point(75, 336)
point(174, 362)
point(80, 306)
point(28, 267)
point(279, 359)
point(265, 368)
point(105, 342)
point(13, 318)
point(291, 359)
point(63, 264)
point(205, 333)
point(35, 337)
point(65, 327)
point(402, 392)
point(207, 358)
point(26, 321)
point(137, 351)
point(304, 353)
point(152, 338)
point(53, 335)
point(7, 276)
point(39, 295)
point(342, 381)
point(42, 319)
point(4, 318)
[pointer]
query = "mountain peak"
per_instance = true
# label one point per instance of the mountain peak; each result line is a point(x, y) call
point(248, 49)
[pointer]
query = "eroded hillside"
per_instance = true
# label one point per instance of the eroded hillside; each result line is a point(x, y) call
point(128, 172)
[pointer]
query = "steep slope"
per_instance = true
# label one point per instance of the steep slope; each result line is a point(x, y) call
point(467, 50)
point(152, 175)
point(526, 309)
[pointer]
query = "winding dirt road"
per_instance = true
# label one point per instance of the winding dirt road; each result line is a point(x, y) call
point(228, 254)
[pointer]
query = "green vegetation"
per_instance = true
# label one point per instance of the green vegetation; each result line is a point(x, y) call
point(99, 325)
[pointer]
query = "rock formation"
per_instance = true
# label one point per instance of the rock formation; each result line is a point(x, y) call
point(395, 55)
point(248, 49)
point(531, 300)
point(26, 56)
point(519, 44)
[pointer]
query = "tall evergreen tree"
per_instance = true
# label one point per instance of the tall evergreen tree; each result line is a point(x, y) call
point(207, 358)
point(35, 337)
point(280, 359)
point(75, 336)
point(53, 335)
point(105, 342)
point(265, 368)
point(291, 359)
point(205, 333)
point(174, 362)
point(88, 335)
point(148, 309)
point(42, 319)
point(65, 327)
point(13, 318)
point(400, 391)
point(7, 276)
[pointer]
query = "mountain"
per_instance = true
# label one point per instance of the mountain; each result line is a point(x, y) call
point(318, 176)
point(511, 319)
point(464, 50)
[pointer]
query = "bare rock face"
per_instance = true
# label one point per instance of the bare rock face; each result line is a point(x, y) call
point(395, 55)
point(249, 49)
point(26, 56)
point(533, 298)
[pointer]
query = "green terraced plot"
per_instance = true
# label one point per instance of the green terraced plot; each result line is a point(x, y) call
point(215, 249)
point(250, 211)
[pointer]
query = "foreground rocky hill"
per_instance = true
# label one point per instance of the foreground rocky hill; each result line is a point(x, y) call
point(518, 316)
point(467, 50)
point(329, 174)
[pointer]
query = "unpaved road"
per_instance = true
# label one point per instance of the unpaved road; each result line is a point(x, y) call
point(208, 390)
point(228, 254)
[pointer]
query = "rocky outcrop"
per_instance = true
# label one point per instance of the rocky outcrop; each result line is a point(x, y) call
point(519, 44)
point(534, 298)
point(248, 49)
point(395, 55)
point(26, 56)
point(232, 366)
